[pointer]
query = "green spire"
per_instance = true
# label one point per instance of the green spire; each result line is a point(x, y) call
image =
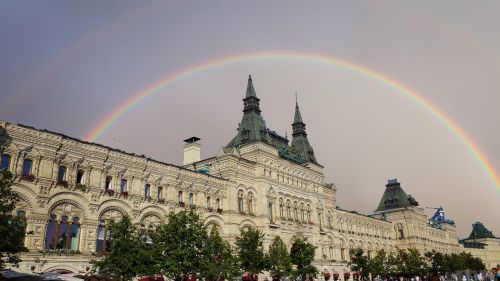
point(300, 144)
point(250, 89)
point(252, 126)
point(297, 118)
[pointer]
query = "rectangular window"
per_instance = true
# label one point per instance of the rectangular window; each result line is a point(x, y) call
point(61, 174)
point(208, 202)
point(123, 185)
point(190, 198)
point(5, 164)
point(270, 208)
point(179, 197)
point(146, 190)
point(160, 191)
point(108, 183)
point(27, 165)
point(79, 176)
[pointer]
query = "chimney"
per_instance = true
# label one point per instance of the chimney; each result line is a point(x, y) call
point(192, 150)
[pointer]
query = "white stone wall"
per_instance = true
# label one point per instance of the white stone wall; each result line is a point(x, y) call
point(300, 200)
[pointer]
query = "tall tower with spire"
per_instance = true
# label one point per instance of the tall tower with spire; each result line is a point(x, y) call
point(252, 126)
point(300, 144)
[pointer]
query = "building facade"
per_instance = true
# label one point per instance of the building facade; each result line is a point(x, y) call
point(69, 189)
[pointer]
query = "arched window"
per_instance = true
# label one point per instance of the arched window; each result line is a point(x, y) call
point(63, 233)
point(27, 165)
point(240, 201)
point(217, 202)
point(302, 213)
point(5, 162)
point(147, 188)
point(148, 228)
point(295, 212)
point(159, 194)
point(309, 214)
point(282, 215)
point(288, 210)
point(250, 203)
point(191, 199)
point(103, 243)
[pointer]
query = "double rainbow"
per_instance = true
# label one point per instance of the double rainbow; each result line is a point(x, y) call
point(155, 88)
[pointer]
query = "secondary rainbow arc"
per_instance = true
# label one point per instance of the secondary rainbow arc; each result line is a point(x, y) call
point(155, 88)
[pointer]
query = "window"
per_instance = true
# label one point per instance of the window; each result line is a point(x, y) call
point(342, 254)
point(179, 196)
point(319, 220)
point(270, 210)
point(147, 234)
point(27, 165)
point(191, 199)
point(295, 212)
point(103, 243)
point(108, 185)
point(217, 201)
point(281, 209)
point(5, 162)
point(302, 214)
point(61, 174)
point(159, 194)
point(250, 203)
point(208, 201)
point(79, 176)
point(240, 201)
point(288, 211)
point(63, 233)
point(146, 191)
point(123, 186)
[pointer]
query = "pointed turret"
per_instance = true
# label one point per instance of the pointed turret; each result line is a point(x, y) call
point(250, 89)
point(300, 144)
point(252, 126)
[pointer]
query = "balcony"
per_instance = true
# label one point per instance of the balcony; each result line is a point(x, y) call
point(28, 177)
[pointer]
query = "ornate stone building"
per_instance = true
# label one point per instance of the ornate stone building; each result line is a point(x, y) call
point(70, 188)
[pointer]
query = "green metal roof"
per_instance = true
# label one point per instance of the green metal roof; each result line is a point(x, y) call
point(394, 197)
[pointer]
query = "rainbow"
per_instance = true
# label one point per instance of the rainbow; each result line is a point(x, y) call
point(155, 88)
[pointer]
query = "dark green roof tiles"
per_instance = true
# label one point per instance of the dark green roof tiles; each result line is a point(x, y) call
point(394, 197)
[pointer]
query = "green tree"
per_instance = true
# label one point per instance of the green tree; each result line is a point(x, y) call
point(302, 255)
point(438, 262)
point(222, 261)
point(378, 264)
point(409, 261)
point(360, 262)
point(129, 256)
point(179, 245)
point(251, 250)
point(12, 228)
point(280, 263)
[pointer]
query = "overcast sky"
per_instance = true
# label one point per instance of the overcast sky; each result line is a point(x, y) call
point(64, 65)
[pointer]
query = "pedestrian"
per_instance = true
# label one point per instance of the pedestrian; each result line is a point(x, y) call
point(464, 278)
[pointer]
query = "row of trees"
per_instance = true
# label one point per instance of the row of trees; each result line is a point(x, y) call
point(182, 247)
point(411, 262)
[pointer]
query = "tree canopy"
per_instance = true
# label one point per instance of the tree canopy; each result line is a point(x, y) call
point(12, 228)
point(280, 263)
point(302, 255)
point(129, 256)
point(251, 250)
